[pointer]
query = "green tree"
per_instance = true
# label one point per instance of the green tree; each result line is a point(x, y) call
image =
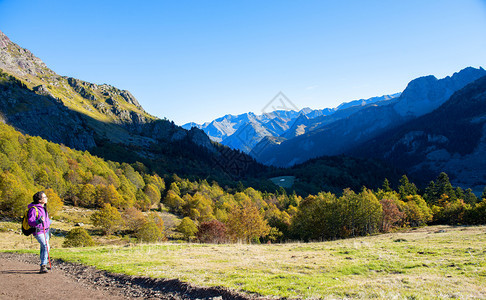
point(361, 213)
point(386, 186)
point(279, 220)
point(318, 218)
point(149, 232)
point(417, 213)
point(153, 193)
point(470, 198)
point(406, 188)
point(108, 219)
point(188, 228)
point(173, 201)
point(143, 201)
point(435, 190)
point(451, 213)
point(87, 196)
point(14, 198)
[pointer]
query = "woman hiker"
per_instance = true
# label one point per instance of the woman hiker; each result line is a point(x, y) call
point(39, 219)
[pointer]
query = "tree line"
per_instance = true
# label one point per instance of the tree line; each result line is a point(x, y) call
point(128, 196)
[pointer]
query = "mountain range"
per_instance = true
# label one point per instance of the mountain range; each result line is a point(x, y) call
point(245, 131)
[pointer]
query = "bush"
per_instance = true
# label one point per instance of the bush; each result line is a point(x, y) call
point(78, 237)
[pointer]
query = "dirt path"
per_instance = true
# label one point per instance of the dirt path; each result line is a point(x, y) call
point(20, 279)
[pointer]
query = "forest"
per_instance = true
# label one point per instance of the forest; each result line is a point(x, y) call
point(128, 196)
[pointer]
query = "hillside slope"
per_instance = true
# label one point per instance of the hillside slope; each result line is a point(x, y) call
point(105, 120)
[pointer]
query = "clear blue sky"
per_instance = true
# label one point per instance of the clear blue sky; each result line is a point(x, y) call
point(199, 60)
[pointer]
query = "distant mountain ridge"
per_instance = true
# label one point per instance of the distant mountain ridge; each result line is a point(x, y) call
point(245, 131)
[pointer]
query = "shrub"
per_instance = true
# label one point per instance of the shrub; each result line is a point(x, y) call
point(78, 237)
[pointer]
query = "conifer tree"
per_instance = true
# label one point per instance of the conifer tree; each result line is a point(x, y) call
point(470, 198)
point(386, 186)
point(406, 188)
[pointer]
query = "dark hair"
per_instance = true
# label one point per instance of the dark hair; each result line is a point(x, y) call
point(37, 197)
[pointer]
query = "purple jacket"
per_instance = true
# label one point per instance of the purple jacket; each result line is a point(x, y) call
point(36, 221)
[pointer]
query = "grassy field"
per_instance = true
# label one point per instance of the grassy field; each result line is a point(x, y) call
point(437, 262)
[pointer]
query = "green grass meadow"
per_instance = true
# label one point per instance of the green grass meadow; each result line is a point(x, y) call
point(438, 262)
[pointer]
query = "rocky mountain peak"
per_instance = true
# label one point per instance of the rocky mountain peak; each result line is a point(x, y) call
point(4, 40)
point(20, 61)
point(427, 93)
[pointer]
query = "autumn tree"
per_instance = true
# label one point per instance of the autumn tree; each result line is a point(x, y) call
point(213, 232)
point(245, 223)
point(54, 204)
point(134, 219)
point(108, 194)
point(391, 215)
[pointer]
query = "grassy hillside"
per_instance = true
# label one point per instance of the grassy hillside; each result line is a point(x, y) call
point(427, 263)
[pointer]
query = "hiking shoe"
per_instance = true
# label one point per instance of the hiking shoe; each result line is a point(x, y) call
point(43, 269)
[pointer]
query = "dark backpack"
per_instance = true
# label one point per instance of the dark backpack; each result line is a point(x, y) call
point(26, 228)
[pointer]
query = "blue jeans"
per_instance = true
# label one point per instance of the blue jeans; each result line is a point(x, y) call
point(44, 246)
